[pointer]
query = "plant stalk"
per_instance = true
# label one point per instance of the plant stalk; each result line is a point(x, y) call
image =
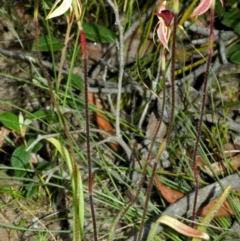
point(170, 126)
point(89, 159)
point(199, 127)
point(78, 231)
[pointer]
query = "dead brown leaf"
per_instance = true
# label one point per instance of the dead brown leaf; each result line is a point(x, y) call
point(224, 211)
point(169, 194)
point(151, 128)
point(101, 121)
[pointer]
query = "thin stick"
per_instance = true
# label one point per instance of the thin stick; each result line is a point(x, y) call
point(121, 65)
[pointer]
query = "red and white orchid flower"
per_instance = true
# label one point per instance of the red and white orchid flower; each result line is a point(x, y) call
point(163, 27)
point(203, 7)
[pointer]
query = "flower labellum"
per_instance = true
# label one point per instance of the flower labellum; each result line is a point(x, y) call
point(166, 15)
point(163, 27)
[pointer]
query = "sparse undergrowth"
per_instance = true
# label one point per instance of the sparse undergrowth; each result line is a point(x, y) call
point(44, 170)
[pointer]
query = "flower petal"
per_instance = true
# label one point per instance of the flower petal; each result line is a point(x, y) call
point(201, 8)
point(163, 33)
point(222, 2)
point(65, 5)
point(166, 15)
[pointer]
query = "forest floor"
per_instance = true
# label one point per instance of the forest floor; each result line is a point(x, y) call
point(36, 202)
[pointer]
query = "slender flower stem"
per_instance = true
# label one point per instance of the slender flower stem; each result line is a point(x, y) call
point(170, 126)
point(89, 159)
point(175, 16)
point(199, 128)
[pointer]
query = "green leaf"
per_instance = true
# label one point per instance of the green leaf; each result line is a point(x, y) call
point(31, 189)
point(231, 14)
point(233, 49)
point(153, 232)
point(231, 104)
point(37, 115)
point(10, 121)
point(48, 44)
point(235, 57)
point(98, 33)
point(44, 166)
point(77, 186)
point(48, 115)
point(237, 28)
point(20, 159)
point(36, 147)
point(230, 18)
point(219, 9)
point(52, 117)
point(77, 81)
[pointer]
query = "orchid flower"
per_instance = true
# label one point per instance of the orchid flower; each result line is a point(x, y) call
point(203, 7)
point(163, 27)
point(64, 7)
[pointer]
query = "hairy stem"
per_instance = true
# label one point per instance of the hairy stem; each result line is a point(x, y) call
point(173, 60)
point(170, 126)
point(199, 128)
point(89, 160)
